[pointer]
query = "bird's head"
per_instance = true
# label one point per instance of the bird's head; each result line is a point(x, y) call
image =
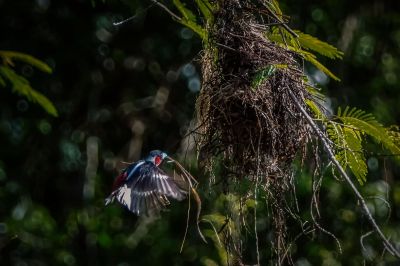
point(156, 157)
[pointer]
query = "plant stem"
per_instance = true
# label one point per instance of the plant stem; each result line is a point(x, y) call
point(332, 157)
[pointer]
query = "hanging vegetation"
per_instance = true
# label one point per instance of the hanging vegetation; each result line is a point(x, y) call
point(257, 112)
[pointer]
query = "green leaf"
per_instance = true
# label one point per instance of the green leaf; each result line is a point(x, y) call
point(355, 155)
point(262, 75)
point(366, 123)
point(315, 110)
point(312, 59)
point(216, 218)
point(315, 93)
point(186, 13)
point(348, 148)
point(11, 55)
point(309, 42)
point(189, 20)
point(283, 37)
point(275, 7)
point(288, 41)
point(21, 85)
point(196, 28)
point(206, 9)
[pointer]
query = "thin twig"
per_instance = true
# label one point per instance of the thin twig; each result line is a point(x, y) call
point(272, 13)
point(196, 196)
point(255, 200)
point(167, 10)
point(187, 224)
point(214, 229)
point(332, 157)
point(294, 241)
point(362, 239)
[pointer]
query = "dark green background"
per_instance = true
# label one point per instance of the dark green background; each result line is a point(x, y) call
point(119, 87)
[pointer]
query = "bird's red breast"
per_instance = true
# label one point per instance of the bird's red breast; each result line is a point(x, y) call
point(119, 180)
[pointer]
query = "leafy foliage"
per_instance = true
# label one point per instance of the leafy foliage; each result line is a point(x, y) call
point(316, 110)
point(350, 153)
point(304, 42)
point(307, 41)
point(274, 5)
point(189, 19)
point(394, 134)
point(298, 44)
point(21, 85)
point(206, 9)
point(367, 123)
point(347, 135)
point(8, 56)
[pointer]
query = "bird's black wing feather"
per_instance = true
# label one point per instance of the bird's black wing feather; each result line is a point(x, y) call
point(148, 191)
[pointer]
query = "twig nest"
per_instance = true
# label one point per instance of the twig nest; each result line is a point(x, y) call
point(245, 114)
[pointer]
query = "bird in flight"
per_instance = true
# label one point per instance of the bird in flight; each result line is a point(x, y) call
point(144, 188)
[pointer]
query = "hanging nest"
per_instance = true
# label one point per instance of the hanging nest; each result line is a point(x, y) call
point(247, 120)
point(245, 114)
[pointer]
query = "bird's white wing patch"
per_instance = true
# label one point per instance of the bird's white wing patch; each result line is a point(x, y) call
point(123, 195)
point(140, 202)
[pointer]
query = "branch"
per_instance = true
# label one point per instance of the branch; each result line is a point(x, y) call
point(332, 157)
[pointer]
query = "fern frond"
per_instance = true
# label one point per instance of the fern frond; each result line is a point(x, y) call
point(21, 85)
point(283, 38)
point(366, 123)
point(313, 60)
point(275, 7)
point(288, 41)
point(309, 42)
point(355, 155)
point(349, 149)
point(8, 56)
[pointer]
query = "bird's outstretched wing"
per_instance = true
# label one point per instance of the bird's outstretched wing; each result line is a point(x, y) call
point(148, 190)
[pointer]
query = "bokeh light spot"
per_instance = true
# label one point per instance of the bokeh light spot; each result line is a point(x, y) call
point(44, 127)
point(22, 105)
point(317, 14)
point(186, 33)
point(194, 84)
point(373, 164)
point(188, 70)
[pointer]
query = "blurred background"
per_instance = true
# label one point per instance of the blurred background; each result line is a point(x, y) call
point(122, 91)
